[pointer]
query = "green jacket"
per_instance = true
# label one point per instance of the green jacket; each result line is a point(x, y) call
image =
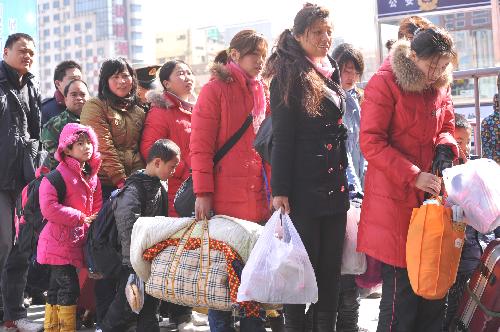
point(50, 135)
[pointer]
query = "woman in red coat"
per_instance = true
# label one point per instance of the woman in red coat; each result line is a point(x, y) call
point(170, 117)
point(407, 124)
point(235, 185)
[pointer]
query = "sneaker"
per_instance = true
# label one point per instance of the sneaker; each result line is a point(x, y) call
point(199, 319)
point(24, 325)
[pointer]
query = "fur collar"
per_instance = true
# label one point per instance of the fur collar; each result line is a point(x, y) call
point(407, 74)
point(157, 99)
point(221, 72)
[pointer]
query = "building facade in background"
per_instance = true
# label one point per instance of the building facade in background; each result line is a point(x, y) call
point(89, 31)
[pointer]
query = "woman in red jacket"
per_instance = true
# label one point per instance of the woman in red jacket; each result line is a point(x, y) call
point(235, 185)
point(170, 117)
point(407, 125)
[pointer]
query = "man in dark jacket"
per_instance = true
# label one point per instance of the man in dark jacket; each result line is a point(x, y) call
point(20, 104)
point(65, 72)
point(143, 195)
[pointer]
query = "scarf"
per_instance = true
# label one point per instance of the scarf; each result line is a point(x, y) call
point(325, 67)
point(259, 97)
point(188, 106)
point(118, 102)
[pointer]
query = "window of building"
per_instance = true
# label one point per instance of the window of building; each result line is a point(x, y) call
point(137, 49)
point(136, 35)
point(89, 67)
point(46, 32)
point(159, 40)
point(460, 24)
point(67, 56)
point(46, 59)
point(135, 8)
point(67, 29)
point(57, 44)
point(100, 51)
point(88, 25)
point(46, 19)
point(57, 30)
point(461, 15)
point(57, 57)
point(47, 72)
point(66, 2)
point(480, 20)
point(56, 17)
point(66, 15)
point(88, 39)
point(135, 22)
point(449, 26)
point(78, 40)
point(88, 52)
point(67, 42)
point(78, 27)
point(46, 6)
point(55, 4)
point(46, 45)
point(78, 54)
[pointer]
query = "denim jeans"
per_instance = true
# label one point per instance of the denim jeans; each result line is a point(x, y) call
point(221, 321)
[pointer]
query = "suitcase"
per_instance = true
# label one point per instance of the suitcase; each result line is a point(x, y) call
point(479, 309)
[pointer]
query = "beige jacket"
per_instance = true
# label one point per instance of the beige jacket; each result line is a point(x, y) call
point(119, 134)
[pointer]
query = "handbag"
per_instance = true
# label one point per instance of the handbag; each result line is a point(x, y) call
point(263, 142)
point(184, 197)
point(433, 248)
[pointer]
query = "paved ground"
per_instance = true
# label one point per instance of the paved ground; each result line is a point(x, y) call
point(368, 316)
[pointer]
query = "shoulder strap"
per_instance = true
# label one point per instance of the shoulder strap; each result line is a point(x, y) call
point(232, 141)
point(56, 179)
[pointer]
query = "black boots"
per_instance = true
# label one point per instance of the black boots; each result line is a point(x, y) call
point(295, 319)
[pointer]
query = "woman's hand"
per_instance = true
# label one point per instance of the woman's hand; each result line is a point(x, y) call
point(89, 220)
point(281, 203)
point(203, 206)
point(429, 183)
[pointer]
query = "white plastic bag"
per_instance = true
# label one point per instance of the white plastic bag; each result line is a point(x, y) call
point(353, 262)
point(278, 269)
point(475, 187)
point(134, 291)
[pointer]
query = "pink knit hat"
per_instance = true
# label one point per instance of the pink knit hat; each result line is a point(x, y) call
point(70, 134)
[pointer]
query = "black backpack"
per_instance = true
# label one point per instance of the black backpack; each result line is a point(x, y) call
point(263, 142)
point(103, 249)
point(31, 209)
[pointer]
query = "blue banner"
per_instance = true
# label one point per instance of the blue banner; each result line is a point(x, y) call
point(18, 16)
point(388, 8)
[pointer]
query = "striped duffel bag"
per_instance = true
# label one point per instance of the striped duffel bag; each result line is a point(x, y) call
point(196, 270)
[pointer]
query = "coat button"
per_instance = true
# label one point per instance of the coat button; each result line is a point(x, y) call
point(329, 146)
point(330, 170)
point(330, 193)
point(342, 189)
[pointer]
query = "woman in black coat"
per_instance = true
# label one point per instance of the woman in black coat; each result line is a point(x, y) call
point(309, 156)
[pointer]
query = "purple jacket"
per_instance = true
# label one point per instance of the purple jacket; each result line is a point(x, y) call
point(61, 240)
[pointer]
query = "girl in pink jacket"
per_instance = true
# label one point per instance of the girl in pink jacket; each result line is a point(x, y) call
point(61, 241)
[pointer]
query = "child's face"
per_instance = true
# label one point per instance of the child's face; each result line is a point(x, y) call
point(81, 150)
point(462, 136)
point(165, 170)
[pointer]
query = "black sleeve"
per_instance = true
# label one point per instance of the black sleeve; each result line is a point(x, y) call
point(127, 210)
point(283, 152)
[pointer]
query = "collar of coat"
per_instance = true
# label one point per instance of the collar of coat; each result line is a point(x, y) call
point(407, 74)
point(161, 100)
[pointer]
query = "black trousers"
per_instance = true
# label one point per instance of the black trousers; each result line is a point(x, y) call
point(177, 314)
point(401, 310)
point(455, 295)
point(120, 317)
point(323, 238)
point(348, 308)
point(63, 285)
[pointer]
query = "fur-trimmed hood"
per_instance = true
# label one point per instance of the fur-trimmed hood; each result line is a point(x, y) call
point(407, 74)
point(222, 72)
point(157, 99)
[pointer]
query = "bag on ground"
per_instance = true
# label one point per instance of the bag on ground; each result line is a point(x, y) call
point(475, 187)
point(278, 269)
point(433, 248)
point(353, 262)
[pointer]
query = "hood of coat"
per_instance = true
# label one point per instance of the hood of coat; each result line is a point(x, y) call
point(407, 74)
point(222, 72)
point(69, 135)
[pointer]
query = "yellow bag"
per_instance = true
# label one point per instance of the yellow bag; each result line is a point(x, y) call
point(433, 248)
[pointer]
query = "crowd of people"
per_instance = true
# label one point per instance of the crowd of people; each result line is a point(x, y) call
point(333, 145)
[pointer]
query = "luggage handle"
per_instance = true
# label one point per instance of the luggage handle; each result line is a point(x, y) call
point(204, 258)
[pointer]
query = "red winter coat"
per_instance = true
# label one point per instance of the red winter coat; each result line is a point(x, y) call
point(402, 121)
point(237, 181)
point(168, 119)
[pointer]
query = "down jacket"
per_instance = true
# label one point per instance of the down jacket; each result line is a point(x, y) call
point(61, 240)
point(236, 181)
point(118, 132)
point(402, 121)
point(168, 119)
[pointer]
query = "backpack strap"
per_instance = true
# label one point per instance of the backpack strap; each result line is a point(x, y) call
point(57, 181)
point(142, 194)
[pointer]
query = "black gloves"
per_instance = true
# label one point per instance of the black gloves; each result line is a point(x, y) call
point(442, 159)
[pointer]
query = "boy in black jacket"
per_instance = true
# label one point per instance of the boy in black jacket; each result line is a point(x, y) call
point(143, 190)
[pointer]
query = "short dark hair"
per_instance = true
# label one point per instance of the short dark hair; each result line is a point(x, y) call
point(15, 37)
point(350, 54)
point(461, 122)
point(164, 149)
point(61, 68)
point(66, 88)
point(167, 69)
